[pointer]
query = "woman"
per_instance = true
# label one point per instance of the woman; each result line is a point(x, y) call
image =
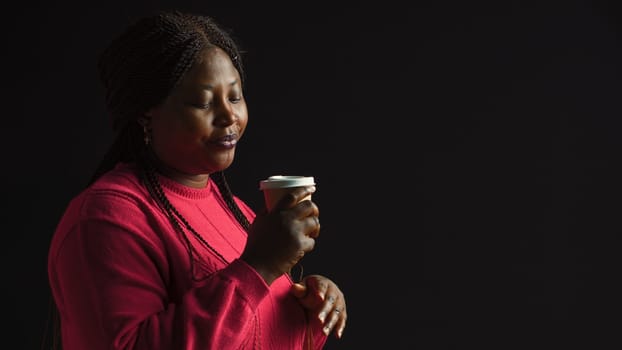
point(157, 253)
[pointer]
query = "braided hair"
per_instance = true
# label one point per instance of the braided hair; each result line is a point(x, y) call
point(138, 70)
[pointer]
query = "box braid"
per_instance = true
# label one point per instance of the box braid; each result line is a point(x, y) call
point(139, 69)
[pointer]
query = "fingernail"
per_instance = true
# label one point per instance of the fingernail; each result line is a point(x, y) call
point(326, 330)
point(322, 316)
point(339, 333)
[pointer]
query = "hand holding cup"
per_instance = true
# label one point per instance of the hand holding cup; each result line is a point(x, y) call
point(286, 231)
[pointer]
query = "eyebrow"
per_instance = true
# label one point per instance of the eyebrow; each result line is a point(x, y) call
point(210, 87)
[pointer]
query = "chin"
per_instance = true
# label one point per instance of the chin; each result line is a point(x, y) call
point(220, 165)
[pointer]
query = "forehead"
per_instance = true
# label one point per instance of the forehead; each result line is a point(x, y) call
point(212, 64)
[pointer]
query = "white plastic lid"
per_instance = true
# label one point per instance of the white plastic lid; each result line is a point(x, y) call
point(282, 181)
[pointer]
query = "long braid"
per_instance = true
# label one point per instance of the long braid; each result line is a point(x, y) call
point(223, 187)
point(156, 191)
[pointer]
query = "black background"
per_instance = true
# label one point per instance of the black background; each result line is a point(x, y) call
point(466, 153)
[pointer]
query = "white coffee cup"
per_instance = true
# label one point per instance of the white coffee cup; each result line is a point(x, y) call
point(274, 187)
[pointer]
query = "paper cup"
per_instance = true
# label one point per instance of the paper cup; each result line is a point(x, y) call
point(274, 187)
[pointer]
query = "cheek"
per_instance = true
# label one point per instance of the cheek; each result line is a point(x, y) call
point(243, 120)
point(178, 125)
point(161, 139)
point(169, 135)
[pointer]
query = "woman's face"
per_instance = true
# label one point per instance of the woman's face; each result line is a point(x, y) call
point(196, 129)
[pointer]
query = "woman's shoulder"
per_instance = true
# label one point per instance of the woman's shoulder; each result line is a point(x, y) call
point(123, 177)
point(115, 203)
point(121, 186)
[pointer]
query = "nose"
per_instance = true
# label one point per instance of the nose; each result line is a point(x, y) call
point(225, 113)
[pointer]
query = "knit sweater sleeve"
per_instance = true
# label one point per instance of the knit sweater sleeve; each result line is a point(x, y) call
point(112, 279)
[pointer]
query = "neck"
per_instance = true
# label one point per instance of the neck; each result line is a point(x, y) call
point(190, 180)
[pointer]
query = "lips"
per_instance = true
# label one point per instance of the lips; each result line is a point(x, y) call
point(227, 141)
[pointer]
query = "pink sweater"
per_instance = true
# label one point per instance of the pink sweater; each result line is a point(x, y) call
point(120, 275)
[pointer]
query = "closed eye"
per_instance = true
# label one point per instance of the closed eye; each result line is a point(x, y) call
point(208, 105)
point(202, 106)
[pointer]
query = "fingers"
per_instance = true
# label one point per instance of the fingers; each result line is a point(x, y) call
point(291, 198)
point(340, 326)
point(321, 294)
point(313, 226)
point(306, 213)
point(335, 322)
point(298, 290)
point(333, 314)
point(296, 205)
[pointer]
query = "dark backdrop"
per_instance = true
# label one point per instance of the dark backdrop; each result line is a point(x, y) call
point(466, 155)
